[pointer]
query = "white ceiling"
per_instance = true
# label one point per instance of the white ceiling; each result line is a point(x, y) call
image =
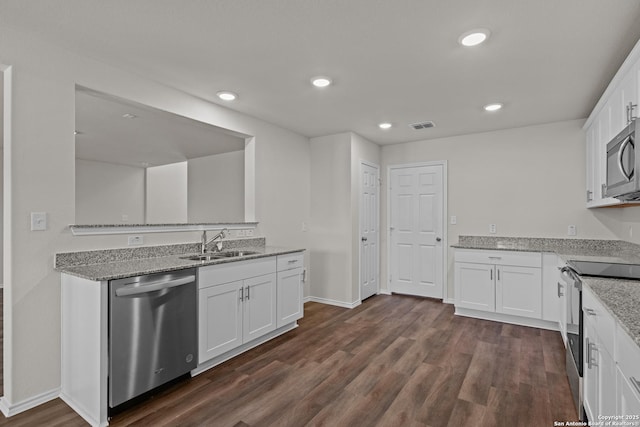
point(152, 138)
point(391, 60)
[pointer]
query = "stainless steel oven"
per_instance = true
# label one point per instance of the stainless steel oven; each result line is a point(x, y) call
point(575, 335)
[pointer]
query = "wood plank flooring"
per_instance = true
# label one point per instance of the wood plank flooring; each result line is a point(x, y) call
point(393, 361)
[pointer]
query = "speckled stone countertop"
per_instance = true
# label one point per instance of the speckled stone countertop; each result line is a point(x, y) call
point(128, 262)
point(620, 297)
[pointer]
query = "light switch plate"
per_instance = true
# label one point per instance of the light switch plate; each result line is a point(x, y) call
point(571, 230)
point(248, 232)
point(454, 220)
point(492, 228)
point(38, 221)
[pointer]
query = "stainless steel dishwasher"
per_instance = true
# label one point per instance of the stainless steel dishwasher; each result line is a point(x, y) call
point(152, 332)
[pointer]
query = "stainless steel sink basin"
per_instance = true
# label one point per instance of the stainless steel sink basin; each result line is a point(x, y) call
point(229, 254)
point(217, 255)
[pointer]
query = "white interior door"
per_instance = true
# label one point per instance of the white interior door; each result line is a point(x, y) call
point(416, 230)
point(369, 230)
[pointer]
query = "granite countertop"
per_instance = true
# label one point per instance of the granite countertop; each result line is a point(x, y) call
point(620, 297)
point(139, 266)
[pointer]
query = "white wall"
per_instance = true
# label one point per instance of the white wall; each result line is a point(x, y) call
point(330, 225)
point(166, 194)
point(106, 191)
point(216, 188)
point(41, 177)
point(528, 181)
point(335, 210)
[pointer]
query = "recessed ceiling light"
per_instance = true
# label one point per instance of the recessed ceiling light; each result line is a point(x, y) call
point(225, 95)
point(385, 125)
point(474, 37)
point(321, 81)
point(129, 116)
point(493, 107)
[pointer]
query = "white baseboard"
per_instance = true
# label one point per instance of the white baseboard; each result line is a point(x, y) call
point(449, 300)
point(204, 366)
point(506, 318)
point(9, 410)
point(80, 411)
point(384, 292)
point(306, 299)
point(334, 302)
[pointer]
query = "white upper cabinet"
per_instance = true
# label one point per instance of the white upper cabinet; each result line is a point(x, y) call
point(616, 107)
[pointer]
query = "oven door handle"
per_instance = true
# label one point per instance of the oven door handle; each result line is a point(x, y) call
point(159, 285)
point(626, 142)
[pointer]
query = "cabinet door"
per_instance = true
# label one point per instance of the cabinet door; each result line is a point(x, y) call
point(606, 382)
point(590, 373)
point(220, 319)
point(475, 286)
point(259, 306)
point(628, 396)
point(592, 163)
point(519, 291)
point(550, 291)
point(289, 293)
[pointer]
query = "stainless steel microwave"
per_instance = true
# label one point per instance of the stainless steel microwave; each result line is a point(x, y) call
point(622, 162)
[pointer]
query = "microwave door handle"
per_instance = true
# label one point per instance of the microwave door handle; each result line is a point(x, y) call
point(620, 154)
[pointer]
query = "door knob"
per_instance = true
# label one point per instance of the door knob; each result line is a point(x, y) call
point(438, 239)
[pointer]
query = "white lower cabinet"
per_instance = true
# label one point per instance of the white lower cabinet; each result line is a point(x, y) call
point(237, 304)
point(610, 365)
point(242, 301)
point(627, 355)
point(290, 271)
point(508, 283)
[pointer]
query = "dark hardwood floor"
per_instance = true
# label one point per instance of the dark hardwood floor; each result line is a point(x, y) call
point(393, 361)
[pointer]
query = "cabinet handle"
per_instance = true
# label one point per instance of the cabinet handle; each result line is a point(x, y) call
point(589, 311)
point(293, 261)
point(589, 361)
point(248, 296)
point(495, 257)
point(560, 286)
point(603, 190)
point(635, 383)
point(241, 294)
point(491, 274)
point(589, 195)
point(498, 271)
point(592, 348)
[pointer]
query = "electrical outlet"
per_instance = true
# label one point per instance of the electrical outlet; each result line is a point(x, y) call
point(125, 217)
point(305, 227)
point(240, 233)
point(454, 220)
point(571, 230)
point(134, 240)
point(249, 232)
point(38, 221)
point(492, 229)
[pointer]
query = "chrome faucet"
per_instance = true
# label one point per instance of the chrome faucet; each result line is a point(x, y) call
point(221, 235)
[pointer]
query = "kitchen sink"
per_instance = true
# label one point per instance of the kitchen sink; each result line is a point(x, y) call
point(218, 255)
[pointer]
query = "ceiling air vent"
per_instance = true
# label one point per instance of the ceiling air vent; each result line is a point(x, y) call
point(422, 125)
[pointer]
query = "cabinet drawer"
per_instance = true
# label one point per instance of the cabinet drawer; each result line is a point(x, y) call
point(596, 314)
point(522, 259)
point(239, 270)
point(290, 261)
point(628, 358)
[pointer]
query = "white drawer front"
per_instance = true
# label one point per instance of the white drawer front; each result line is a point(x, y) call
point(628, 358)
point(239, 270)
point(290, 261)
point(595, 313)
point(481, 256)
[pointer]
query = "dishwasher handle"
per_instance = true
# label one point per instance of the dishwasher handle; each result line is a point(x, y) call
point(153, 286)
